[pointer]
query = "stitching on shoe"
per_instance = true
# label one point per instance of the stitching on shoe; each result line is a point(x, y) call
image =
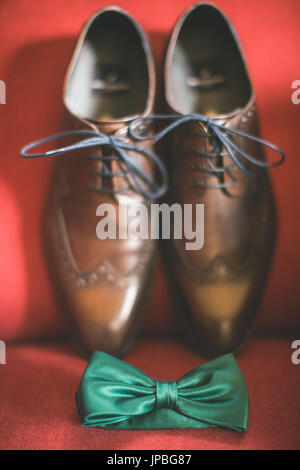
point(104, 271)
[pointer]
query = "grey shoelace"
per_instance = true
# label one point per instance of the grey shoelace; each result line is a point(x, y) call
point(219, 135)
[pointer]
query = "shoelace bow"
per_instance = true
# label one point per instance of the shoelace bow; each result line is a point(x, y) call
point(218, 134)
point(120, 146)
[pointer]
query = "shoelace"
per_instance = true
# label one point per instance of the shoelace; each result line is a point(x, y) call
point(119, 145)
point(218, 134)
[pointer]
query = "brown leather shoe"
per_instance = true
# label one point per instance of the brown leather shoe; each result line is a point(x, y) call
point(103, 283)
point(206, 79)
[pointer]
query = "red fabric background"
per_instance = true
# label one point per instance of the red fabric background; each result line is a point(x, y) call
point(36, 40)
point(37, 384)
point(37, 409)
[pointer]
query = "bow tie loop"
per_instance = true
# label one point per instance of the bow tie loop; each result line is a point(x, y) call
point(166, 394)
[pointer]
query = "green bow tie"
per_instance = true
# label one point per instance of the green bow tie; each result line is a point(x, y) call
point(115, 395)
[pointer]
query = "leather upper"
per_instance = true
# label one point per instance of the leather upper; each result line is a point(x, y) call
point(102, 282)
point(222, 283)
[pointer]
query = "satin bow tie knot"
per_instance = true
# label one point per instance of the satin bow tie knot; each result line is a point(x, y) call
point(166, 395)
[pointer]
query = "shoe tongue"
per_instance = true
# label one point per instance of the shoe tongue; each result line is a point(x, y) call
point(109, 126)
point(122, 184)
point(224, 118)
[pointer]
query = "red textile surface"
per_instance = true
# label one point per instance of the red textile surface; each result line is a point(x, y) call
point(37, 409)
point(36, 43)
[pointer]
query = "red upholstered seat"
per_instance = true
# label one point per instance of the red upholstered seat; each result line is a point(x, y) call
point(37, 385)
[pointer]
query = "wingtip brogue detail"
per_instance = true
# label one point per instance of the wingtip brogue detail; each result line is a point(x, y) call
point(104, 271)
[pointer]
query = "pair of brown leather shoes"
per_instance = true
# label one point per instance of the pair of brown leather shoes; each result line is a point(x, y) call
point(109, 94)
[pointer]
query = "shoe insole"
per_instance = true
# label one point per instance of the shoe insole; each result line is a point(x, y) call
point(110, 79)
point(207, 72)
